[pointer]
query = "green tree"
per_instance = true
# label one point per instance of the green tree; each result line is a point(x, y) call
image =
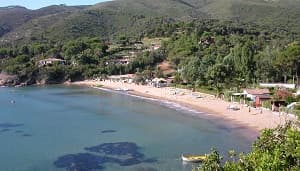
point(3, 53)
point(275, 149)
point(290, 59)
point(216, 76)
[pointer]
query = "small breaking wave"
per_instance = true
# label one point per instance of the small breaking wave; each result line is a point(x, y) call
point(166, 103)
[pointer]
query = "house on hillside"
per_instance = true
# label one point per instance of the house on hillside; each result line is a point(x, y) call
point(139, 45)
point(257, 95)
point(134, 53)
point(207, 41)
point(156, 47)
point(51, 61)
point(125, 60)
point(153, 47)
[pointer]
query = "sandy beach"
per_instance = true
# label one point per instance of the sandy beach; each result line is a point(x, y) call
point(256, 119)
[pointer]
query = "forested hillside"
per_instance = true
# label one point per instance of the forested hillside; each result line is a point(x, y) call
point(132, 17)
point(216, 44)
point(209, 53)
point(14, 17)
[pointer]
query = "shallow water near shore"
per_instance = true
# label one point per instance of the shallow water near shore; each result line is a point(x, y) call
point(58, 128)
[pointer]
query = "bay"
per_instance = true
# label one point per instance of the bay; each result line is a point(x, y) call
point(57, 128)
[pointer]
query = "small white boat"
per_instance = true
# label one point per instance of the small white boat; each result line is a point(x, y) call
point(123, 89)
point(193, 158)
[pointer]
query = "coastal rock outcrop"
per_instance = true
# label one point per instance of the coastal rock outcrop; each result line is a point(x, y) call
point(26, 80)
point(8, 80)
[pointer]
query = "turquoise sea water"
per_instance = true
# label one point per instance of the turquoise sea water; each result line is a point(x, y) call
point(59, 128)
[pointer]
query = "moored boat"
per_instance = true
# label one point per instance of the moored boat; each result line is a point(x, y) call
point(193, 158)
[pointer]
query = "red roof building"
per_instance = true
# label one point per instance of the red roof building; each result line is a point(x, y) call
point(257, 95)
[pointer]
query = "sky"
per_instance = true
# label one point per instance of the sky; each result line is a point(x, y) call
point(36, 4)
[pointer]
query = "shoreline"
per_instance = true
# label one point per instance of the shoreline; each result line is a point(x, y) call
point(251, 132)
point(207, 104)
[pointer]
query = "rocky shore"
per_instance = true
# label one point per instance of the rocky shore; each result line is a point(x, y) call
point(9, 80)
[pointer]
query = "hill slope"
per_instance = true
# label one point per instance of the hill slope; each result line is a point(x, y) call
point(18, 22)
point(113, 18)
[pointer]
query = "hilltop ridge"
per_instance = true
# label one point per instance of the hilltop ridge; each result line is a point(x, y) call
point(112, 18)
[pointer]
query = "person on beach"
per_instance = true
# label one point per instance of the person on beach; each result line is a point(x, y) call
point(261, 110)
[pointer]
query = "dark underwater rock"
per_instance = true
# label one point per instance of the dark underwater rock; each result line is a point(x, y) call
point(108, 131)
point(9, 125)
point(26, 135)
point(4, 130)
point(145, 169)
point(118, 149)
point(19, 131)
point(80, 162)
point(122, 153)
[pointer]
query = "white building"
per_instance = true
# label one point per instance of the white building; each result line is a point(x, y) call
point(50, 61)
point(269, 85)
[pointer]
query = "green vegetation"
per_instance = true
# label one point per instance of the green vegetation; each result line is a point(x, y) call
point(84, 58)
point(275, 149)
point(224, 56)
point(212, 46)
point(214, 54)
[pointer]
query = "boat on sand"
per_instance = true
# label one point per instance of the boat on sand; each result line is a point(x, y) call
point(123, 89)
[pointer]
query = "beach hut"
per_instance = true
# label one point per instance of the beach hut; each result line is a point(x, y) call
point(240, 96)
point(279, 99)
point(257, 95)
point(159, 82)
point(128, 78)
